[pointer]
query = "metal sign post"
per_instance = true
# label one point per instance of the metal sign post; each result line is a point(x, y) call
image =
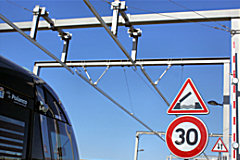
point(235, 88)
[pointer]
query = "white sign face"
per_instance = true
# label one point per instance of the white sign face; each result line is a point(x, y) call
point(187, 99)
point(187, 137)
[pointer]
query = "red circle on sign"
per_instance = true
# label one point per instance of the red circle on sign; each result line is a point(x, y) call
point(200, 146)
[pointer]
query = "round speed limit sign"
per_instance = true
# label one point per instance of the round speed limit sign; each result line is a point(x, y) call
point(187, 136)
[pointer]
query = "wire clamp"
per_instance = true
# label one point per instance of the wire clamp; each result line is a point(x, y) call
point(233, 32)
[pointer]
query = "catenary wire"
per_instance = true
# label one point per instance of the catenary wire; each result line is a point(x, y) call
point(184, 7)
point(128, 89)
point(162, 14)
point(19, 6)
point(202, 24)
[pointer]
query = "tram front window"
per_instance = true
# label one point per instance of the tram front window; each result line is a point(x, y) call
point(58, 135)
point(58, 138)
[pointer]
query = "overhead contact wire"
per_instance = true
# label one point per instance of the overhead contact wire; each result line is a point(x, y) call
point(182, 6)
point(19, 6)
point(128, 89)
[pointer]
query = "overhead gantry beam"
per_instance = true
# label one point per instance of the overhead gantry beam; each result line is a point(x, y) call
point(139, 62)
point(140, 19)
point(163, 133)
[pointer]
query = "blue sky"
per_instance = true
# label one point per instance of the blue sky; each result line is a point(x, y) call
point(102, 130)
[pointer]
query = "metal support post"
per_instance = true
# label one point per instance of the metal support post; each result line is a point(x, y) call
point(136, 147)
point(220, 156)
point(35, 21)
point(135, 33)
point(66, 38)
point(237, 104)
point(226, 107)
point(36, 70)
point(134, 48)
point(65, 50)
point(116, 7)
point(235, 24)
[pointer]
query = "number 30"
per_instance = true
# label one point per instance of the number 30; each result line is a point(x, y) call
point(182, 136)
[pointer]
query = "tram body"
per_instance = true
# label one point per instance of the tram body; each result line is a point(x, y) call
point(33, 122)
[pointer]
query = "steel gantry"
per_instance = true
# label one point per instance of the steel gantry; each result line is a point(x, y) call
point(127, 20)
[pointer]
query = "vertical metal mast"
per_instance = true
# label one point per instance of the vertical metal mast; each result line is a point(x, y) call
point(235, 24)
point(226, 107)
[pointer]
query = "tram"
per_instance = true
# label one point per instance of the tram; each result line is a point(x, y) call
point(33, 122)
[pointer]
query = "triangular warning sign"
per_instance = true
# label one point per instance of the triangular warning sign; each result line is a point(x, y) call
point(219, 146)
point(188, 101)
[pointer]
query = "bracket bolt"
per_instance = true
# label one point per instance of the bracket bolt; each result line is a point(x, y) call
point(235, 80)
point(235, 145)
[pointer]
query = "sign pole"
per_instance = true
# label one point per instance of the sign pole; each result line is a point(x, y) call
point(235, 24)
point(226, 108)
